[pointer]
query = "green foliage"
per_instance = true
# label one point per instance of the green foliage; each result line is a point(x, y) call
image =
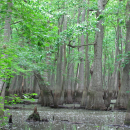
point(12, 99)
point(124, 58)
point(15, 99)
point(35, 25)
point(100, 17)
point(127, 91)
point(29, 96)
point(35, 41)
point(97, 126)
point(2, 110)
point(36, 29)
point(6, 63)
point(35, 37)
point(74, 127)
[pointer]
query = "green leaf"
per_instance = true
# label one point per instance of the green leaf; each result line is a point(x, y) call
point(47, 44)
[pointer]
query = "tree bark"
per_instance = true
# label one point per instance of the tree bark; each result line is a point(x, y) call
point(64, 64)
point(95, 94)
point(86, 81)
point(124, 93)
point(69, 79)
point(7, 34)
point(58, 86)
point(81, 64)
point(45, 93)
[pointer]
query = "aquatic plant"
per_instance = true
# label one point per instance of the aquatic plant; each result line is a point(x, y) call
point(74, 127)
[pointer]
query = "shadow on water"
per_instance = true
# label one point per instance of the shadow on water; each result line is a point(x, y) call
point(66, 119)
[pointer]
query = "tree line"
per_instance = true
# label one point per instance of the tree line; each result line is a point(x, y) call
point(66, 51)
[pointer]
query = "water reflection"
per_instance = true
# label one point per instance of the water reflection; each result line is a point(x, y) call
point(66, 119)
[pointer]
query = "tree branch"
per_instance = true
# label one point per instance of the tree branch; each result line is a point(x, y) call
point(91, 10)
point(79, 46)
point(12, 24)
point(106, 1)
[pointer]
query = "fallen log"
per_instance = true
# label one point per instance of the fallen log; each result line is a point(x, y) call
point(11, 107)
point(66, 107)
point(28, 102)
point(118, 126)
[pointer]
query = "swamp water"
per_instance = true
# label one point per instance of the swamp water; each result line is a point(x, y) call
point(88, 120)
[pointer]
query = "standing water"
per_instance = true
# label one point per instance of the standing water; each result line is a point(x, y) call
point(66, 119)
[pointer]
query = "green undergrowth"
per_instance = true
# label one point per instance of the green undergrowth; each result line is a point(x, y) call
point(15, 99)
point(10, 100)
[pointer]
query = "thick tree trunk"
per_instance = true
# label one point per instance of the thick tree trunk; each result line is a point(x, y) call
point(86, 82)
point(59, 78)
point(2, 94)
point(45, 93)
point(58, 88)
point(81, 65)
point(63, 87)
point(115, 79)
point(36, 87)
point(124, 93)
point(69, 83)
point(125, 84)
point(12, 85)
point(75, 84)
point(95, 94)
point(127, 116)
point(7, 35)
point(104, 73)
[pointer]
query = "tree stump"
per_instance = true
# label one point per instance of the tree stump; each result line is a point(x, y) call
point(34, 116)
point(10, 119)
